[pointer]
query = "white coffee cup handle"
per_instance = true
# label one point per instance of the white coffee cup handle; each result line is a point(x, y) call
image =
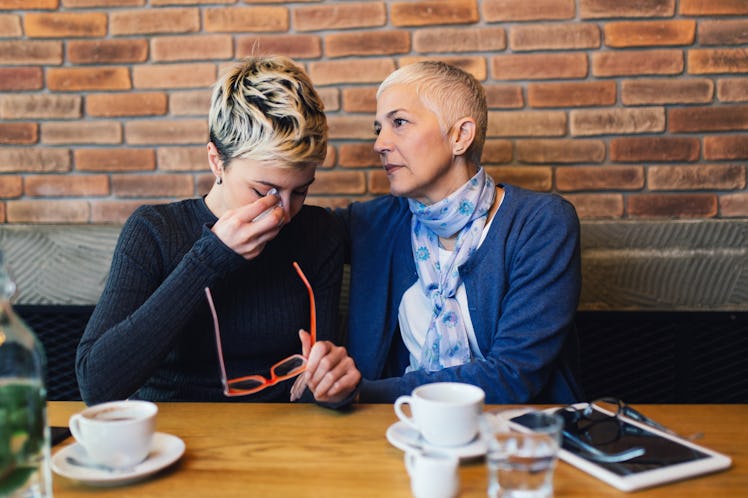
point(75, 427)
point(399, 402)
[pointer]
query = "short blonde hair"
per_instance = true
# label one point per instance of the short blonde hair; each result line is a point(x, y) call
point(450, 93)
point(266, 109)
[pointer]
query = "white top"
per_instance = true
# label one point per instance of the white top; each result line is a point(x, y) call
point(414, 313)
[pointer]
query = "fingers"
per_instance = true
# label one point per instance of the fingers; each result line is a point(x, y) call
point(331, 374)
point(306, 342)
point(248, 229)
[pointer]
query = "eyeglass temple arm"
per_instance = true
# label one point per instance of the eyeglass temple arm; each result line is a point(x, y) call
point(312, 306)
point(597, 455)
point(216, 330)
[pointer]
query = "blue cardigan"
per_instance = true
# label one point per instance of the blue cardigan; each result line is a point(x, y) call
point(522, 285)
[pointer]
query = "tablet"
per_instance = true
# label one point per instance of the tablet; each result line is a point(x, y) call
point(631, 455)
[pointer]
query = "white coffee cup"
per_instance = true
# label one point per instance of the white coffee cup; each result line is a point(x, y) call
point(432, 475)
point(445, 413)
point(116, 434)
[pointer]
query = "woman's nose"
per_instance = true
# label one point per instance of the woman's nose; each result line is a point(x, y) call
point(382, 143)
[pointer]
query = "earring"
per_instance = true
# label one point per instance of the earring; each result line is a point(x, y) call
point(219, 180)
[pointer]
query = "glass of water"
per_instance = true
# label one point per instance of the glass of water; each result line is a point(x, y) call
point(522, 449)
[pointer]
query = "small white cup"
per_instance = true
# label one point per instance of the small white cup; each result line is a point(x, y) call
point(433, 475)
point(445, 413)
point(117, 434)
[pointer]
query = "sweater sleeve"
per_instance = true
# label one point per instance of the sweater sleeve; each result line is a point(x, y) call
point(144, 306)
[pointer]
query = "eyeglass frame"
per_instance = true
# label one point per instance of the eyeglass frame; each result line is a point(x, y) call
point(263, 382)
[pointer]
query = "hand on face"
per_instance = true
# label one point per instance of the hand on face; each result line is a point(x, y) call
point(331, 375)
point(248, 228)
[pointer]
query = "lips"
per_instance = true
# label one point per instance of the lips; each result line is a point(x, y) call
point(389, 168)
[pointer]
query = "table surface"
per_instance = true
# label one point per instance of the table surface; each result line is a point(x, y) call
point(273, 450)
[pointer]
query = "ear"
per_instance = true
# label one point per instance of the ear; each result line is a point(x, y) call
point(214, 160)
point(463, 134)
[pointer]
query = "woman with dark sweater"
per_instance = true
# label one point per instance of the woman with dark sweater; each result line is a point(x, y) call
point(152, 334)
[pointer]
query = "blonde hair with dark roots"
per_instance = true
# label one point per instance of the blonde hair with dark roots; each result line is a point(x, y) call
point(450, 93)
point(266, 109)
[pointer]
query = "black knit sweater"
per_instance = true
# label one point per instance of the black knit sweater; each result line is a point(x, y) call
point(151, 334)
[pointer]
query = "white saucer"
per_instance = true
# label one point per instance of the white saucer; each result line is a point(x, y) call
point(166, 450)
point(402, 436)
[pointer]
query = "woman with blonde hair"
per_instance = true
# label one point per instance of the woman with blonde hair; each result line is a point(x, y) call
point(453, 277)
point(203, 302)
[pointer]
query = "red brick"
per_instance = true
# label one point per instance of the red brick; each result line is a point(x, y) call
point(339, 182)
point(195, 47)
point(732, 89)
point(522, 10)
point(726, 147)
point(198, 2)
point(78, 4)
point(22, 52)
point(155, 185)
point(713, 61)
point(705, 119)
point(115, 212)
point(10, 186)
point(10, 25)
point(701, 177)
point(154, 21)
point(539, 66)
point(64, 24)
point(28, 4)
point(342, 16)
point(330, 98)
point(39, 106)
point(355, 127)
point(637, 62)
point(76, 79)
point(182, 158)
point(560, 151)
point(205, 182)
point(504, 96)
point(330, 158)
point(20, 78)
point(576, 178)
point(566, 36)
point(597, 206)
point(599, 9)
point(617, 121)
point(378, 182)
point(244, 19)
point(474, 65)
point(655, 149)
point(723, 32)
point(576, 94)
point(296, 46)
point(33, 159)
point(184, 131)
point(427, 13)
point(350, 71)
point(497, 152)
point(66, 186)
point(359, 155)
point(169, 76)
point(462, 39)
point(733, 205)
point(672, 205)
point(18, 133)
point(666, 91)
point(47, 211)
point(119, 159)
point(190, 103)
point(107, 51)
point(538, 178)
point(526, 124)
point(81, 132)
point(649, 33)
point(713, 7)
point(360, 99)
point(126, 104)
point(367, 43)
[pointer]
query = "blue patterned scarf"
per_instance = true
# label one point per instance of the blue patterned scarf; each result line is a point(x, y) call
point(464, 211)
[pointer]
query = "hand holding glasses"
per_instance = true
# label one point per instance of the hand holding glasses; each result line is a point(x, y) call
point(286, 368)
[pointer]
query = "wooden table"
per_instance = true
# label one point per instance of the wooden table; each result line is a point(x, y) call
point(285, 450)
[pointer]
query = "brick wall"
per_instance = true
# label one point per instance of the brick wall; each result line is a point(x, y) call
point(630, 108)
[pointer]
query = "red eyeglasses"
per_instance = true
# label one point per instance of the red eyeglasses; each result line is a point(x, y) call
point(285, 369)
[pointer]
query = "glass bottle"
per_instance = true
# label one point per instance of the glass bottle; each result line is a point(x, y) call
point(24, 433)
